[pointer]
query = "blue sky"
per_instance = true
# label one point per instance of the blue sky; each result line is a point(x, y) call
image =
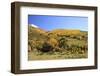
point(49, 23)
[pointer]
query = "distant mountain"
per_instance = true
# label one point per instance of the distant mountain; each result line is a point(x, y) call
point(33, 25)
point(65, 32)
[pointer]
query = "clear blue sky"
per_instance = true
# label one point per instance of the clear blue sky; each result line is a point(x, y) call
point(59, 22)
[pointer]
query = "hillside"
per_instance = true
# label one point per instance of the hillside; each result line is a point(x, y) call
point(36, 33)
point(69, 43)
point(65, 32)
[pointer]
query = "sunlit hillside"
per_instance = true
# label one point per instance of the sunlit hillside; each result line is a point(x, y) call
point(56, 44)
point(65, 32)
point(36, 33)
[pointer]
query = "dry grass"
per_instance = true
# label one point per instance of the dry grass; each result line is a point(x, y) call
point(56, 55)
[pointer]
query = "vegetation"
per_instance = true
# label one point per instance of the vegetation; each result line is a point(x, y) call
point(56, 44)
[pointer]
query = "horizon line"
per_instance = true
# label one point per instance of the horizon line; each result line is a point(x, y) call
point(57, 28)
